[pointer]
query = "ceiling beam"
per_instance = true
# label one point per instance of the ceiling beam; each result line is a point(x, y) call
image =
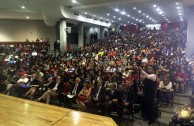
point(109, 4)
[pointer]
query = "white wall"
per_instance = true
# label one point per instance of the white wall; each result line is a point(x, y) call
point(20, 30)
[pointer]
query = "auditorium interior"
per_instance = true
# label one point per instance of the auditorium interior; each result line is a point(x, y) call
point(96, 62)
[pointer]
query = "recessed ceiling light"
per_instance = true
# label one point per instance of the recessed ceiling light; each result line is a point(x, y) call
point(116, 9)
point(107, 19)
point(23, 7)
point(124, 24)
point(108, 14)
point(128, 22)
point(121, 23)
point(27, 17)
point(177, 3)
point(136, 19)
point(147, 16)
point(180, 13)
point(94, 15)
point(162, 15)
point(119, 18)
point(112, 21)
point(134, 8)
point(123, 12)
point(131, 23)
point(139, 11)
point(154, 5)
point(160, 12)
point(86, 13)
point(100, 17)
point(114, 16)
point(128, 15)
point(178, 7)
point(74, 1)
point(158, 9)
point(143, 14)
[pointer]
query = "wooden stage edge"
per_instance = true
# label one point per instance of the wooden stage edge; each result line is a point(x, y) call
point(20, 112)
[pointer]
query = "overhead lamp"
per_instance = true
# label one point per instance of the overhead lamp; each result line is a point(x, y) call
point(147, 16)
point(128, 22)
point(116, 9)
point(158, 9)
point(134, 8)
point(160, 12)
point(107, 19)
point(112, 21)
point(27, 17)
point(94, 15)
point(74, 1)
point(150, 18)
point(133, 17)
point(128, 15)
point(119, 18)
point(139, 11)
point(108, 14)
point(114, 16)
point(143, 14)
point(136, 19)
point(178, 7)
point(23, 7)
point(121, 23)
point(123, 12)
point(180, 13)
point(86, 13)
point(124, 24)
point(177, 3)
point(154, 5)
point(100, 17)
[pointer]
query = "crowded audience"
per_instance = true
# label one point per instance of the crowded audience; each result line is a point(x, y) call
point(108, 74)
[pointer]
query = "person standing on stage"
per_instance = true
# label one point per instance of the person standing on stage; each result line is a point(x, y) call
point(149, 91)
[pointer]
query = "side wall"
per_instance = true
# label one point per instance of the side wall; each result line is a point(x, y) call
point(20, 30)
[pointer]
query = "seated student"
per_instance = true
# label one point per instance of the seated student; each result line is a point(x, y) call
point(74, 91)
point(54, 90)
point(97, 100)
point(33, 88)
point(165, 89)
point(126, 99)
point(112, 97)
point(14, 90)
point(84, 95)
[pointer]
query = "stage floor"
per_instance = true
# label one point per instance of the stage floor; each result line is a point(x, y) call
point(20, 112)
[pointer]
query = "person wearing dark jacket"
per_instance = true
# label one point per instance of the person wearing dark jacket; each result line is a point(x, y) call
point(55, 88)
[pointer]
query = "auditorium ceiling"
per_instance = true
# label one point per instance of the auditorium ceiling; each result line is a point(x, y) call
point(114, 11)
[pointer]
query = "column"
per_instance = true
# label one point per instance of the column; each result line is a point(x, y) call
point(63, 35)
point(80, 35)
point(101, 32)
point(190, 32)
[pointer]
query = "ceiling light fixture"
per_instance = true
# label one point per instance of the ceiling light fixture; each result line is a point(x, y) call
point(128, 15)
point(100, 17)
point(108, 14)
point(154, 5)
point(178, 7)
point(160, 12)
point(123, 12)
point(158, 9)
point(86, 13)
point(94, 15)
point(74, 1)
point(116, 9)
point(27, 17)
point(23, 7)
point(119, 18)
point(114, 16)
point(134, 8)
point(177, 3)
point(139, 11)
